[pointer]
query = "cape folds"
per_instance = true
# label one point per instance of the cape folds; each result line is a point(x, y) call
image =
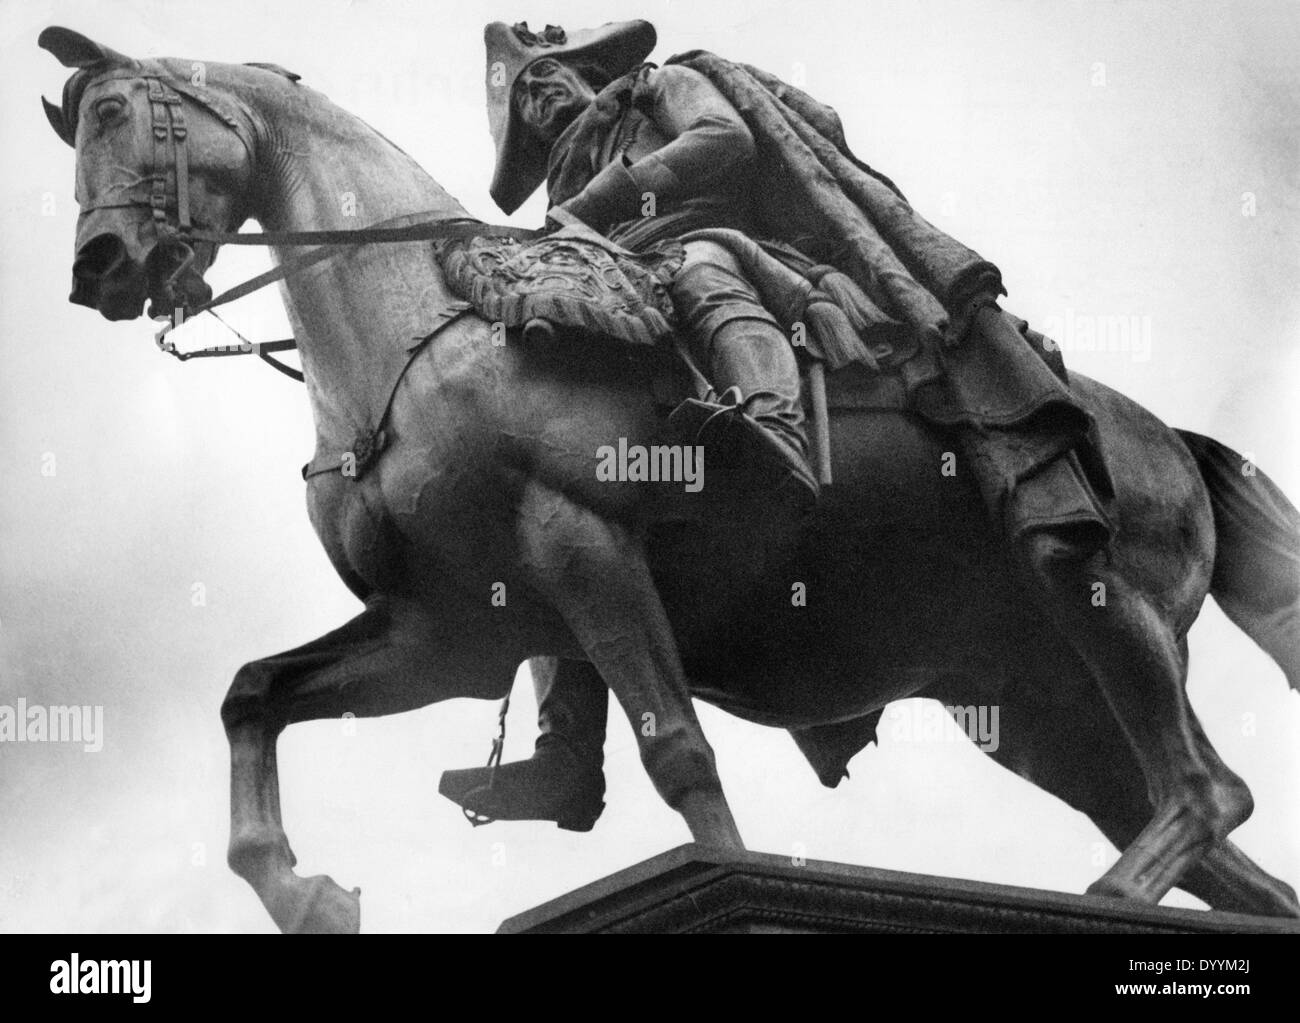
point(821, 198)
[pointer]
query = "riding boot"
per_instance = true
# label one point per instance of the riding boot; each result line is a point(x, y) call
point(759, 420)
point(562, 781)
point(754, 357)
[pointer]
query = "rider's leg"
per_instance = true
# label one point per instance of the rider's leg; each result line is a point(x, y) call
point(743, 347)
point(562, 781)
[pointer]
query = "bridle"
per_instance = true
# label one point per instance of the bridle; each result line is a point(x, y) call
point(171, 161)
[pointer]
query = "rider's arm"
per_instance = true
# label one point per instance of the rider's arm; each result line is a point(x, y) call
point(707, 139)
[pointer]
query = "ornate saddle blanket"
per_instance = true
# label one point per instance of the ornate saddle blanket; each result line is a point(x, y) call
point(573, 278)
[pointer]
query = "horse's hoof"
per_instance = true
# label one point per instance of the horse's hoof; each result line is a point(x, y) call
point(709, 817)
point(1118, 888)
point(325, 908)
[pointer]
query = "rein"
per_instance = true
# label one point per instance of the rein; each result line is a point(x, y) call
point(329, 244)
point(168, 123)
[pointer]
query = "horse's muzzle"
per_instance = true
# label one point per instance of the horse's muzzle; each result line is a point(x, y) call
point(104, 277)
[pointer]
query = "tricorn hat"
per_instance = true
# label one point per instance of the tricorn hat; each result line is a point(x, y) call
point(615, 48)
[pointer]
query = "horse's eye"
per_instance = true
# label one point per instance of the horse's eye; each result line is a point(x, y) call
point(109, 107)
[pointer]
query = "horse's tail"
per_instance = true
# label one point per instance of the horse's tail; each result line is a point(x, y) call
point(1257, 565)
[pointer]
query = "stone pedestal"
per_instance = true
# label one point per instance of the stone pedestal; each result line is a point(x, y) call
point(692, 889)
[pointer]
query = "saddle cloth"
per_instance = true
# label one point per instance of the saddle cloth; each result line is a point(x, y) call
point(574, 279)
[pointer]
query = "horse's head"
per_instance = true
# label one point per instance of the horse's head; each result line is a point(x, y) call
point(158, 149)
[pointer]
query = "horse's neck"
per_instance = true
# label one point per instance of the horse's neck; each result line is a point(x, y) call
point(322, 168)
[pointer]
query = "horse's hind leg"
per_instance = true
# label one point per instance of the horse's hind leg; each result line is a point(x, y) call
point(1044, 739)
point(1140, 667)
point(1227, 878)
point(377, 663)
point(594, 573)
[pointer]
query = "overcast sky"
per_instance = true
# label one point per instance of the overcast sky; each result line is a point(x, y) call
point(1101, 154)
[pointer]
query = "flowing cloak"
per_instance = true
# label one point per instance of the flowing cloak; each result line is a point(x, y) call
point(1031, 445)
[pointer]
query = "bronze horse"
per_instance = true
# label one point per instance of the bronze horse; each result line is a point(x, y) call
point(481, 536)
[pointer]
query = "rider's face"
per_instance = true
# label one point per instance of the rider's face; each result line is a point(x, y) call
point(548, 95)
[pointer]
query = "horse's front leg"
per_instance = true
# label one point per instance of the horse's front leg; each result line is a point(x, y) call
point(384, 661)
point(594, 572)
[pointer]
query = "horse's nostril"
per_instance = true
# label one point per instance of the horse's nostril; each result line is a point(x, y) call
point(100, 257)
point(84, 292)
point(105, 278)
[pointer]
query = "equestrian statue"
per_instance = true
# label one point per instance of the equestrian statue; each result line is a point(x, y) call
point(901, 490)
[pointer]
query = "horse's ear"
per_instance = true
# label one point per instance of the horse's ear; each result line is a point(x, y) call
point(74, 50)
point(275, 69)
point(58, 122)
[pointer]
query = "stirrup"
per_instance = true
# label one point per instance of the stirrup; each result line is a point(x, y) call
point(472, 787)
point(475, 818)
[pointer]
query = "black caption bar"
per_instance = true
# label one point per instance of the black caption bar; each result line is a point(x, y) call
point(132, 974)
